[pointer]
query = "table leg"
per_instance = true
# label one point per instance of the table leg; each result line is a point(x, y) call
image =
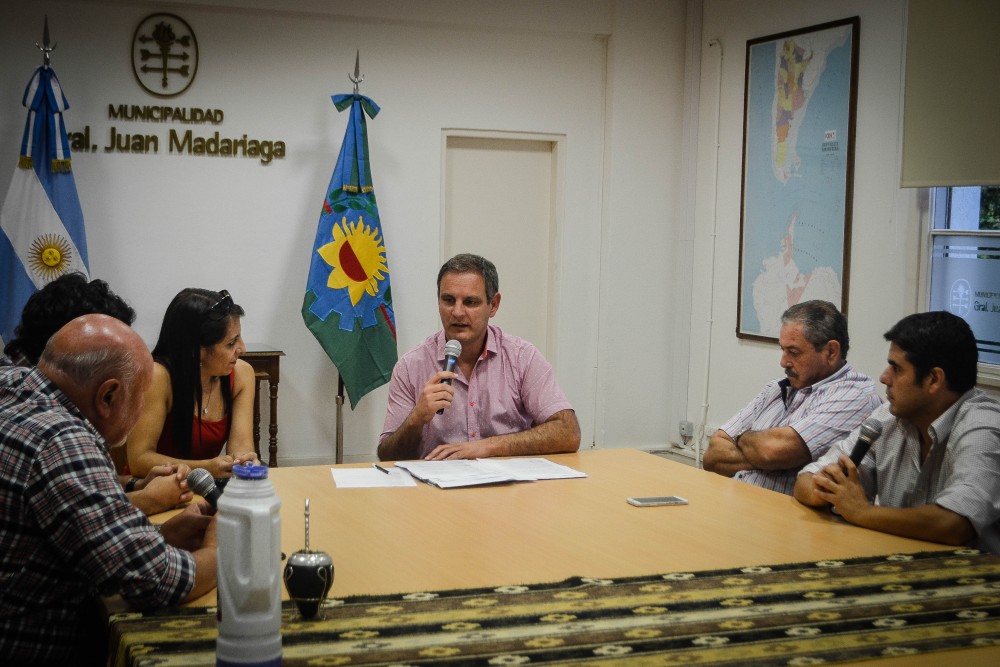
point(273, 428)
point(256, 413)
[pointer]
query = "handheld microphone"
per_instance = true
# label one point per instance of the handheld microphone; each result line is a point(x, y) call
point(202, 483)
point(452, 350)
point(871, 429)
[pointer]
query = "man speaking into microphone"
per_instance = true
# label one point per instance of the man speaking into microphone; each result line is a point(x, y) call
point(503, 398)
point(935, 466)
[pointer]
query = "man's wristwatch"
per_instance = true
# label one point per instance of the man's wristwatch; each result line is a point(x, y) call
point(130, 485)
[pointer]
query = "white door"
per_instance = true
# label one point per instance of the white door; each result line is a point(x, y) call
point(499, 195)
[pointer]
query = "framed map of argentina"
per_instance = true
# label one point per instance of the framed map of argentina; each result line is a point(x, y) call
point(798, 170)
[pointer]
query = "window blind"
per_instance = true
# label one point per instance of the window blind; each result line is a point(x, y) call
point(951, 104)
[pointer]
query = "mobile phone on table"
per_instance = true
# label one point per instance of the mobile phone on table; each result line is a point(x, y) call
point(657, 501)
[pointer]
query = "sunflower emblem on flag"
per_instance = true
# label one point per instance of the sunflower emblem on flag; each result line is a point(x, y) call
point(356, 258)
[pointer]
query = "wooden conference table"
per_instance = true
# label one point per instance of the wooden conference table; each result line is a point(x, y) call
point(394, 540)
point(388, 540)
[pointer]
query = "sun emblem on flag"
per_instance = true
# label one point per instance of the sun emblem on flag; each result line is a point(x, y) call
point(357, 258)
point(50, 256)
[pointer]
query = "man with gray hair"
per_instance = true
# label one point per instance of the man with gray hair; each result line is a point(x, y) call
point(68, 534)
point(793, 421)
point(502, 398)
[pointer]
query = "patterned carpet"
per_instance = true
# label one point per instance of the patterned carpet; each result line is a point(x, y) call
point(791, 614)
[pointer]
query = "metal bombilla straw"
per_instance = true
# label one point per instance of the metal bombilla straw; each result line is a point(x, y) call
point(307, 524)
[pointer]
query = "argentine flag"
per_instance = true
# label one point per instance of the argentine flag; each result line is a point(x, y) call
point(41, 220)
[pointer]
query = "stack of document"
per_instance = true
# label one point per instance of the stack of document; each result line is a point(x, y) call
point(462, 472)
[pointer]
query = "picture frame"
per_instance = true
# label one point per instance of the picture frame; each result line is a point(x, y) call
point(799, 118)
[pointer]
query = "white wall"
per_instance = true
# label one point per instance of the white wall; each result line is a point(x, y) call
point(640, 287)
point(605, 74)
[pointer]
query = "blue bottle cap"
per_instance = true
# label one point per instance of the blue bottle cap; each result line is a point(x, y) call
point(250, 471)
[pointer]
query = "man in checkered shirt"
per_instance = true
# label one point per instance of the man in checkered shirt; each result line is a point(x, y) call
point(793, 421)
point(68, 534)
point(934, 473)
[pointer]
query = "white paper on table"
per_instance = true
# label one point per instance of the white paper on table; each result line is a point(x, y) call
point(370, 478)
point(465, 472)
point(531, 468)
point(454, 473)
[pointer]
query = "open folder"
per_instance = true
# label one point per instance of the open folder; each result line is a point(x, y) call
point(465, 472)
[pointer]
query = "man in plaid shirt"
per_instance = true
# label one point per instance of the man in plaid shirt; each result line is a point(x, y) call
point(68, 534)
point(793, 421)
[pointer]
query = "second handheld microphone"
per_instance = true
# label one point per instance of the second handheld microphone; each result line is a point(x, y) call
point(871, 429)
point(452, 350)
point(202, 483)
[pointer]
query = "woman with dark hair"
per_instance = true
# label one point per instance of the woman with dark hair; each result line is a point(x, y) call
point(199, 408)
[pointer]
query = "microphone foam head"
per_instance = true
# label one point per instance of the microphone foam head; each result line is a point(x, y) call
point(453, 349)
point(201, 481)
point(871, 429)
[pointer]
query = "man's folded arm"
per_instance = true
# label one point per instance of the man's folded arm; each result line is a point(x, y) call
point(778, 448)
point(723, 457)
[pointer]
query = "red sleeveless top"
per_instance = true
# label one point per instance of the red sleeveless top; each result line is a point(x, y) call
point(207, 437)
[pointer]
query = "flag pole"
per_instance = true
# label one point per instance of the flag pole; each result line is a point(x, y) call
point(45, 47)
point(340, 419)
point(356, 78)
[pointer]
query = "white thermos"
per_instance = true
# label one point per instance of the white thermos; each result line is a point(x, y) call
point(249, 569)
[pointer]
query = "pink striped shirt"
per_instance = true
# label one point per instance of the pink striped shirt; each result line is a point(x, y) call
point(512, 388)
point(821, 414)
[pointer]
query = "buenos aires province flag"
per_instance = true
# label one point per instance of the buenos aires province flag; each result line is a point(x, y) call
point(43, 235)
point(348, 301)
